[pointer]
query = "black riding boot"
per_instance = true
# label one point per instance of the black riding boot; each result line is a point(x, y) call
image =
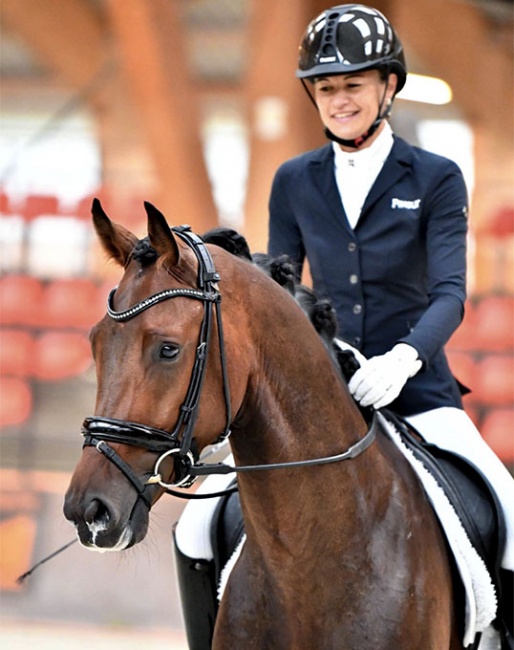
point(197, 586)
point(506, 607)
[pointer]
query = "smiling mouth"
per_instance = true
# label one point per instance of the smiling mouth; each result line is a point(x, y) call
point(343, 117)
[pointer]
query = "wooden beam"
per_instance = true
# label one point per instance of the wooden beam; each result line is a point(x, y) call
point(150, 41)
point(282, 120)
point(459, 43)
point(66, 36)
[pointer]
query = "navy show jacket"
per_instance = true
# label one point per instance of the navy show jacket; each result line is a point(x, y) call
point(400, 275)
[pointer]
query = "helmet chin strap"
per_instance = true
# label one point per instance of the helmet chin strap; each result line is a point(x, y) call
point(358, 142)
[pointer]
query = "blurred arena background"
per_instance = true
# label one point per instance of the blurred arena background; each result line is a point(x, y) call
point(192, 105)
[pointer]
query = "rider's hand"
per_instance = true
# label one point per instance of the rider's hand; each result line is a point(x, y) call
point(380, 380)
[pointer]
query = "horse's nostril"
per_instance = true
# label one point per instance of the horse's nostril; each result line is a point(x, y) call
point(95, 512)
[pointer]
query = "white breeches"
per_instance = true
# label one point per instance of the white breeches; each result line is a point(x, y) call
point(451, 429)
point(193, 531)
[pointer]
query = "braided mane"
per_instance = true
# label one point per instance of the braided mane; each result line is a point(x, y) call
point(144, 252)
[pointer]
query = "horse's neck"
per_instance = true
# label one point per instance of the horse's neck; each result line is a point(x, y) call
point(300, 404)
point(296, 411)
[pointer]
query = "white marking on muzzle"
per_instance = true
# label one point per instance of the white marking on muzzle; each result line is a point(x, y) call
point(97, 527)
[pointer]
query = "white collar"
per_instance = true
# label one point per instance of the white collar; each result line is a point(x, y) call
point(376, 153)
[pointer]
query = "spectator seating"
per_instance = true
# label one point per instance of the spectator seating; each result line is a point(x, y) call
point(15, 400)
point(498, 430)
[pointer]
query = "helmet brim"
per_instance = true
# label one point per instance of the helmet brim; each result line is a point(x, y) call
point(334, 69)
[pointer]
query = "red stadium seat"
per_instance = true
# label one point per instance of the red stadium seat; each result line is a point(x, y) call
point(20, 300)
point(495, 380)
point(463, 366)
point(464, 338)
point(497, 429)
point(40, 204)
point(61, 355)
point(5, 206)
point(500, 224)
point(15, 401)
point(75, 303)
point(16, 353)
point(494, 323)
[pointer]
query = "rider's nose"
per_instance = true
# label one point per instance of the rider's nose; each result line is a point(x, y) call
point(340, 99)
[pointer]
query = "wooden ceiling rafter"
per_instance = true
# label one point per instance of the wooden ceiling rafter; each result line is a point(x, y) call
point(167, 105)
point(67, 37)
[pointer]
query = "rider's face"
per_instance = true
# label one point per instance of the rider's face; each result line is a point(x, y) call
point(348, 104)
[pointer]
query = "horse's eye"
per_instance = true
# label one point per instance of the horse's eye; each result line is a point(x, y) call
point(168, 351)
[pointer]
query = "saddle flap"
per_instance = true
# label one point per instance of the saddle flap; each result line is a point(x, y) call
point(227, 530)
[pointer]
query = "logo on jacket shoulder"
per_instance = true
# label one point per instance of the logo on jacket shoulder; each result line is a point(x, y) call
point(400, 204)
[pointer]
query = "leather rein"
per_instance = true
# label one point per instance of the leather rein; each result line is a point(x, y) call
point(180, 444)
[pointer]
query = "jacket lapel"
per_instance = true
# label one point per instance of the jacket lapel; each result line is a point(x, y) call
point(398, 164)
point(321, 170)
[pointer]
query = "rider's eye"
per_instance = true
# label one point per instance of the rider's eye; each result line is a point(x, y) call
point(168, 351)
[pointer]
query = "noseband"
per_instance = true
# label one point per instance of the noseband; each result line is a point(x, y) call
point(179, 444)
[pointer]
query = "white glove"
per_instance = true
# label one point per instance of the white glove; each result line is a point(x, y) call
point(380, 380)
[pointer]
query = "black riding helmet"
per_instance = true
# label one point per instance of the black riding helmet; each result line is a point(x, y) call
point(351, 38)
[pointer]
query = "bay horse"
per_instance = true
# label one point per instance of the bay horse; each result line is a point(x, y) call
point(343, 554)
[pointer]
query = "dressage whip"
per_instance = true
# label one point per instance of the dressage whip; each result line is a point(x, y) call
point(21, 579)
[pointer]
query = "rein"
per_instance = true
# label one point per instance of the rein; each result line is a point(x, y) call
point(352, 452)
point(99, 431)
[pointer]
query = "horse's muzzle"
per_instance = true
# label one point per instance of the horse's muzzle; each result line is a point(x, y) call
point(102, 524)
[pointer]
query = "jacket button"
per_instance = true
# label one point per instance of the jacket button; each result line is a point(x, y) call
point(357, 309)
point(352, 246)
point(354, 278)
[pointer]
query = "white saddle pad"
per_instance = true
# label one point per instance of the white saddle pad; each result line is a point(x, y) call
point(481, 601)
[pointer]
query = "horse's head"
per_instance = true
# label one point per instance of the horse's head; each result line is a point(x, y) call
point(161, 371)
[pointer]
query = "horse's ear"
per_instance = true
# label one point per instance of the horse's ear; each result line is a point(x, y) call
point(161, 237)
point(116, 240)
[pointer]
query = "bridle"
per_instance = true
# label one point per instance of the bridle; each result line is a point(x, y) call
point(99, 431)
point(180, 444)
